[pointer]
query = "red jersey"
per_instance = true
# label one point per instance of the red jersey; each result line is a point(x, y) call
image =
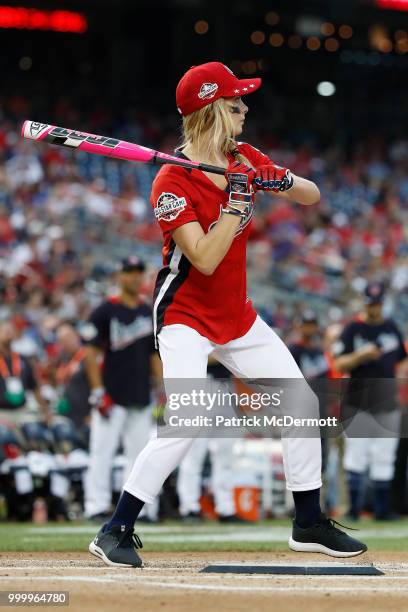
point(216, 306)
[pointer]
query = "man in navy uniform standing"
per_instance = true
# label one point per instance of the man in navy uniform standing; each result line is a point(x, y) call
point(369, 349)
point(121, 362)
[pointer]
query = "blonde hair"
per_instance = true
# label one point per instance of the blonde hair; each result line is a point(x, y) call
point(211, 128)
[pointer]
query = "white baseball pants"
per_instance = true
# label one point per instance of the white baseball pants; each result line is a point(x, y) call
point(132, 426)
point(376, 453)
point(260, 353)
point(189, 476)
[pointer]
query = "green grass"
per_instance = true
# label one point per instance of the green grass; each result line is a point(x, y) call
point(266, 536)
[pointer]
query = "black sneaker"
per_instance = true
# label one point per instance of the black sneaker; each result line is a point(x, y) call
point(324, 537)
point(117, 547)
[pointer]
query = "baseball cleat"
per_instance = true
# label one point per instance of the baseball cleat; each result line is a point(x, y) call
point(117, 547)
point(326, 538)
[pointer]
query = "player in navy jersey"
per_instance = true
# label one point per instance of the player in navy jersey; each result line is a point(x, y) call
point(307, 353)
point(120, 333)
point(370, 347)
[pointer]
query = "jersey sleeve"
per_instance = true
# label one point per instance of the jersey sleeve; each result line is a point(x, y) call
point(172, 202)
point(96, 331)
point(344, 344)
point(254, 155)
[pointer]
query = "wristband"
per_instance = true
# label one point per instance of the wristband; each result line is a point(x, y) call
point(238, 212)
point(236, 197)
point(240, 191)
point(287, 181)
point(96, 396)
point(231, 211)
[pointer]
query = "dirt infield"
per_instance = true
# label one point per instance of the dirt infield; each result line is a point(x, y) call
point(172, 582)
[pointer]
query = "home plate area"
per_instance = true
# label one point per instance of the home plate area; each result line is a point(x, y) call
point(226, 581)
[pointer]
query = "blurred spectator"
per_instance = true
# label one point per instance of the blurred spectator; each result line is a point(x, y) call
point(16, 379)
point(70, 377)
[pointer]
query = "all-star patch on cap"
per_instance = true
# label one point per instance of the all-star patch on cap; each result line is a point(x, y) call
point(374, 293)
point(128, 264)
point(202, 85)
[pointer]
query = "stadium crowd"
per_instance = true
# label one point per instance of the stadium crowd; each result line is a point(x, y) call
point(65, 218)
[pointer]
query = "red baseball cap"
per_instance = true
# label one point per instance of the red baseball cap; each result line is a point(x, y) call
point(206, 83)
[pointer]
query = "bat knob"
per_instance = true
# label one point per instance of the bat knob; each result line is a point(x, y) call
point(33, 130)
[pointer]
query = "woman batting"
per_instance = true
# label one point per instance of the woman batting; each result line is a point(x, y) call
point(201, 306)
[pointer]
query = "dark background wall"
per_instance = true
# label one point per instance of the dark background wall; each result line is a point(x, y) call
point(134, 52)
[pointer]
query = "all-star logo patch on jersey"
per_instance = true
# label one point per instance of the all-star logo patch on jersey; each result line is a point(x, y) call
point(207, 91)
point(169, 206)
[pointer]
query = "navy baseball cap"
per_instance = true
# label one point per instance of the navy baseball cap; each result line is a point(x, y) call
point(128, 264)
point(374, 293)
